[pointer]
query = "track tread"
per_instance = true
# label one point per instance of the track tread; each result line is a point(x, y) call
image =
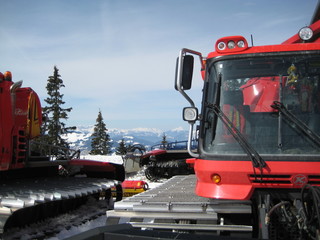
point(37, 196)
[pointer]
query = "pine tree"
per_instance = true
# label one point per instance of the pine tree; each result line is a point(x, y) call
point(164, 141)
point(122, 149)
point(55, 126)
point(100, 140)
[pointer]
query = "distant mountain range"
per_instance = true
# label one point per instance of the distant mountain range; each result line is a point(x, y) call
point(80, 139)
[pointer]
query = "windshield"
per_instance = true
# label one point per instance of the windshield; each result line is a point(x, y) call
point(248, 92)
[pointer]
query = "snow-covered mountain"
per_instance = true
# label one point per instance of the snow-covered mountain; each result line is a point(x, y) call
point(80, 139)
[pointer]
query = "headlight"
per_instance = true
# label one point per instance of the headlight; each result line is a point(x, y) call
point(305, 33)
point(231, 44)
point(190, 114)
point(241, 44)
point(221, 46)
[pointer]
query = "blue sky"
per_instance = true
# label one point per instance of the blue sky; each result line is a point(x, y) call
point(119, 55)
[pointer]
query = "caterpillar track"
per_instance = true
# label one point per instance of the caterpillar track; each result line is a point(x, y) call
point(63, 226)
point(166, 161)
point(24, 201)
point(167, 169)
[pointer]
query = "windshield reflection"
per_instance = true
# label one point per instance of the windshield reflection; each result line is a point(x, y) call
point(246, 89)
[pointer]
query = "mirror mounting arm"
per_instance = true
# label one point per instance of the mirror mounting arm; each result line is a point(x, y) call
point(182, 72)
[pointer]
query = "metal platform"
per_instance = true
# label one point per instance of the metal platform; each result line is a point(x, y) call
point(174, 206)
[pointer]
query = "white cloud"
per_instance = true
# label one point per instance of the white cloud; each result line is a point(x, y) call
point(120, 55)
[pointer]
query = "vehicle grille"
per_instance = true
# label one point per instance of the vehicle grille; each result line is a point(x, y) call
point(280, 179)
point(314, 179)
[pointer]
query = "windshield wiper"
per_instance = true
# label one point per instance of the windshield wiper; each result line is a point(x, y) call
point(295, 122)
point(256, 159)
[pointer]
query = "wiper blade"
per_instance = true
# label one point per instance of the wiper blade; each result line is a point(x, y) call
point(295, 122)
point(256, 159)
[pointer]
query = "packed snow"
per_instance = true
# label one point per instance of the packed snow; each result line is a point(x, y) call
point(116, 159)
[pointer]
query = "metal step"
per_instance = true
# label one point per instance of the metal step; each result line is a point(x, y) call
point(174, 206)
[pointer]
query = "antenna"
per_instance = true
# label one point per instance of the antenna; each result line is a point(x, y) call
point(251, 40)
point(316, 14)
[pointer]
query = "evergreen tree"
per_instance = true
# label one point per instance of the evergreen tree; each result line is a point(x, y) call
point(164, 141)
point(122, 149)
point(55, 126)
point(100, 140)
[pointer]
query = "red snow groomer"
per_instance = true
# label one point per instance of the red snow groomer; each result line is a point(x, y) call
point(259, 129)
point(32, 186)
point(166, 161)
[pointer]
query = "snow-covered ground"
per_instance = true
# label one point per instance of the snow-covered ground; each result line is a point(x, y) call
point(117, 159)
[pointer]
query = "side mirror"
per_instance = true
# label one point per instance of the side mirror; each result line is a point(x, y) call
point(187, 72)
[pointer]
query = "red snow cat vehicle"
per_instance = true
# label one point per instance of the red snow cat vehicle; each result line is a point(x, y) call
point(32, 187)
point(259, 134)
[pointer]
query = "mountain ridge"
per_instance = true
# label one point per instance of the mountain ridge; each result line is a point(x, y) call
point(81, 137)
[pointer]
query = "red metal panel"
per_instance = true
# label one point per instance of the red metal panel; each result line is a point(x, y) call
point(238, 180)
point(6, 121)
